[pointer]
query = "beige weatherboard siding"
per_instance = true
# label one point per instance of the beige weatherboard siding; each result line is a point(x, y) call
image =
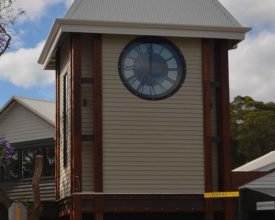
point(65, 173)
point(152, 146)
point(19, 124)
point(214, 119)
point(87, 114)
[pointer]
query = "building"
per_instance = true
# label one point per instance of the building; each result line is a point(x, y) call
point(29, 125)
point(256, 182)
point(143, 108)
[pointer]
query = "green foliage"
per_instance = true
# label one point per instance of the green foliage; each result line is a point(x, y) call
point(252, 127)
point(27, 203)
point(6, 152)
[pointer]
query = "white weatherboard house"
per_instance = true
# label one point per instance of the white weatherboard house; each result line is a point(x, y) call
point(29, 125)
point(142, 108)
point(258, 191)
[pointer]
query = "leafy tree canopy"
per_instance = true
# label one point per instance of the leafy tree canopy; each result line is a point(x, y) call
point(8, 15)
point(253, 128)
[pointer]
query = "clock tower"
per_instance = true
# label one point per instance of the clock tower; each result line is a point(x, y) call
point(142, 96)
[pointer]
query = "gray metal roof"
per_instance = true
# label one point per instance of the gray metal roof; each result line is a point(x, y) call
point(170, 12)
point(265, 182)
point(178, 18)
point(263, 163)
point(44, 109)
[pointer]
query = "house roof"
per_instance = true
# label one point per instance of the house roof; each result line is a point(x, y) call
point(179, 18)
point(263, 163)
point(172, 12)
point(42, 108)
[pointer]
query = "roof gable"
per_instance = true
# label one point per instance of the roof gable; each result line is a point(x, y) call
point(265, 182)
point(43, 109)
point(20, 124)
point(263, 163)
point(172, 12)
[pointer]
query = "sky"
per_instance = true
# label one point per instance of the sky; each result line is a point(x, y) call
point(251, 65)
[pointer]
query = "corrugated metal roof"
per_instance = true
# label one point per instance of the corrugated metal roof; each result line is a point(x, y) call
point(170, 12)
point(264, 184)
point(263, 163)
point(44, 109)
point(177, 18)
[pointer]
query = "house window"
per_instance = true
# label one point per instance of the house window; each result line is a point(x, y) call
point(65, 117)
point(22, 163)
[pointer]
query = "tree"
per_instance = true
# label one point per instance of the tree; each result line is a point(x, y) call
point(8, 16)
point(253, 129)
point(6, 151)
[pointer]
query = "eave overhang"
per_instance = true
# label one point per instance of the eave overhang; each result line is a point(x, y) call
point(62, 26)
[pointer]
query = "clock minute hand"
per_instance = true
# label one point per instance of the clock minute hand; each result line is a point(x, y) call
point(150, 58)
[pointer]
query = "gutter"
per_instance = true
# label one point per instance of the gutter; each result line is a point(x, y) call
point(61, 26)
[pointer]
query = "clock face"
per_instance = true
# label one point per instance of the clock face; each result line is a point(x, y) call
point(152, 68)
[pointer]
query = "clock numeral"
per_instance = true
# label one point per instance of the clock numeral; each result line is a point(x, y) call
point(162, 48)
point(170, 58)
point(138, 50)
point(163, 88)
point(131, 57)
point(172, 69)
point(131, 79)
point(169, 79)
point(128, 67)
point(152, 90)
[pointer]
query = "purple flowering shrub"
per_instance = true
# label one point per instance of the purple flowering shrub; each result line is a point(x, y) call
point(6, 152)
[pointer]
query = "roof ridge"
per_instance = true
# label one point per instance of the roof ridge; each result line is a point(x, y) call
point(73, 9)
point(34, 99)
point(257, 160)
point(228, 15)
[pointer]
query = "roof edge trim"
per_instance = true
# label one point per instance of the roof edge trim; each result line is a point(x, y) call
point(107, 27)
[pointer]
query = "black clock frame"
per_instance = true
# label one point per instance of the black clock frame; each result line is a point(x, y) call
point(156, 40)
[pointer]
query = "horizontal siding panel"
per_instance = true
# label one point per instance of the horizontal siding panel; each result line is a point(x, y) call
point(86, 57)
point(19, 124)
point(170, 149)
point(142, 135)
point(154, 170)
point(87, 114)
point(65, 174)
point(117, 140)
point(23, 189)
point(132, 130)
point(152, 159)
point(121, 163)
point(152, 146)
point(135, 156)
point(87, 166)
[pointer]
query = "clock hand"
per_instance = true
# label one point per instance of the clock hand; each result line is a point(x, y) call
point(150, 58)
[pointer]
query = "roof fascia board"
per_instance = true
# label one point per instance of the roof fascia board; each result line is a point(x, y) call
point(65, 25)
point(265, 175)
point(206, 33)
point(8, 104)
point(50, 44)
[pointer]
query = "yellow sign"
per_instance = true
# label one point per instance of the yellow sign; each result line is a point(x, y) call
point(212, 195)
point(18, 212)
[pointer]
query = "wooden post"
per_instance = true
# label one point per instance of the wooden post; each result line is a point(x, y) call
point(97, 116)
point(57, 126)
point(37, 209)
point(97, 113)
point(208, 173)
point(76, 148)
point(223, 112)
